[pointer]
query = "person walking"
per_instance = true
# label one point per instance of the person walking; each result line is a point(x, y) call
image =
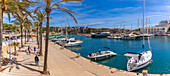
point(29, 50)
point(36, 60)
point(34, 50)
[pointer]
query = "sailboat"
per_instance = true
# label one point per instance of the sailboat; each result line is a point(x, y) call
point(70, 41)
point(142, 58)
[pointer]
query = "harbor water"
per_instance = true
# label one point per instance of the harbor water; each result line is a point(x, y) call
point(160, 50)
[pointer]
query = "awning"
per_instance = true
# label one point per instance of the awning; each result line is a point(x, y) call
point(131, 55)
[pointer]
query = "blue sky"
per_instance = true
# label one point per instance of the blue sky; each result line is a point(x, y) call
point(111, 13)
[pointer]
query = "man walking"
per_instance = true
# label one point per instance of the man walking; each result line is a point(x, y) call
point(36, 60)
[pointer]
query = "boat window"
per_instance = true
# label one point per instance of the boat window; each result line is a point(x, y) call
point(72, 41)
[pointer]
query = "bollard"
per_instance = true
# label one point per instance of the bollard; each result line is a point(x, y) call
point(145, 72)
point(78, 55)
point(61, 48)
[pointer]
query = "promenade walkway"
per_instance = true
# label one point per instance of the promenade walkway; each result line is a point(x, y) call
point(60, 63)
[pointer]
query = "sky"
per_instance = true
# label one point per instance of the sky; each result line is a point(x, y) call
point(110, 13)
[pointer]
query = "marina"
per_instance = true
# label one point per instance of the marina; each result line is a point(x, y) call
point(121, 47)
point(84, 38)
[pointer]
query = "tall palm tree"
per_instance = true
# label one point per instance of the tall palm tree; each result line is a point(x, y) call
point(48, 6)
point(27, 24)
point(20, 20)
point(11, 6)
point(36, 24)
point(40, 17)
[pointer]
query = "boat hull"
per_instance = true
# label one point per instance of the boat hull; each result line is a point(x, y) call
point(141, 63)
point(128, 38)
point(69, 45)
point(102, 57)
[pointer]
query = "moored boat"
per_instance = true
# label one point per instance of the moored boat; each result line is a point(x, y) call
point(100, 34)
point(101, 54)
point(116, 36)
point(129, 36)
point(142, 58)
point(138, 60)
point(73, 43)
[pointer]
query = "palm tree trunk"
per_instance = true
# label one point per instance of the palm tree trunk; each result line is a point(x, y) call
point(15, 50)
point(48, 10)
point(40, 33)
point(1, 28)
point(37, 38)
point(25, 36)
point(21, 35)
point(28, 36)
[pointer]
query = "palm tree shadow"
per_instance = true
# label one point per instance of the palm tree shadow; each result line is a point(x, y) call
point(28, 67)
point(33, 65)
point(23, 60)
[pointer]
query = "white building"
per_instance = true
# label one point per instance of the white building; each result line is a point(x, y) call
point(161, 28)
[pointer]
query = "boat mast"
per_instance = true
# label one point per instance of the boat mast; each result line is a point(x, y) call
point(143, 20)
point(61, 26)
point(138, 24)
point(146, 24)
point(66, 26)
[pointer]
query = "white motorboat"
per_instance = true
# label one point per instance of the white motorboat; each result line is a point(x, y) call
point(100, 34)
point(142, 58)
point(146, 35)
point(73, 43)
point(102, 54)
point(129, 36)
point(116, 36)
point(60, 40)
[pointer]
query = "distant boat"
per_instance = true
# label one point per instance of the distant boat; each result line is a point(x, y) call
point(164, 34)
point(69, 41)
point(129, 36)
point(61, 41)
point(158, 34)
point(145, 35)
point(102, 55)
point(73, 43)
point(100, 34)
point(114, 36)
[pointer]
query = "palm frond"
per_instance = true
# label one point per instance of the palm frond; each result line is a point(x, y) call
point(63, 8)
point(9, 16)
point(67, 1)
point(72, 16)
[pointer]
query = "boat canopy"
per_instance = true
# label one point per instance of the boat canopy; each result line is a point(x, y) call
point(143, 48)
point(132, 54)
point(107, 48)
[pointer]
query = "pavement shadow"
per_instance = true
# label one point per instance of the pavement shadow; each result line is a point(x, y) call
point(34, 65)
point(23, 60)
point(29, 68)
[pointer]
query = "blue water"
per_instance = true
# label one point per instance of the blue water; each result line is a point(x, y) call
point(160, 51)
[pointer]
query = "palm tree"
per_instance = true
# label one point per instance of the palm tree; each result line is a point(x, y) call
point(40, 17)
point(11, 6)
point(15, 44)
point(48, 4)
point(36, 24)
point(27, 24)
point(20, 20)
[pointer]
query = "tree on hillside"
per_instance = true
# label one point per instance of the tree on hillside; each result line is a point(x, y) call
point(169, 29)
